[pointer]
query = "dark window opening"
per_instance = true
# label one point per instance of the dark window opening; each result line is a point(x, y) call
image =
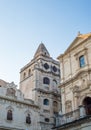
point(55, 113)
point(9, 115)
point(87, 105)
point(24, 75)
point(46, 66)
point(54, 69)
point(46, 102)
point(46, 80)
point(47, 120)
point(45, 53)
point(28, 119)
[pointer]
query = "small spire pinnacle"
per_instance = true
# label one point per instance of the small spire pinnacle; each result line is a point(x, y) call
point(42, 50)
point(78, 33)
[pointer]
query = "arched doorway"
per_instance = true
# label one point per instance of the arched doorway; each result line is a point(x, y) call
point(87, 105)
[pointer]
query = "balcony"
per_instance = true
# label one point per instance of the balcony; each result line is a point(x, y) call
point(83, 112)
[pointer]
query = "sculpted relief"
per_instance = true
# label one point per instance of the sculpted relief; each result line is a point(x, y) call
point(10, 92)
point(85, 84)
point(68, 106)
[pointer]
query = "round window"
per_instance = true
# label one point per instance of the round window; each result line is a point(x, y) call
point(54, 69)
point(46, 66)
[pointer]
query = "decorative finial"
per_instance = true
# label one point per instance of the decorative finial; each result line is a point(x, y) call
point(79, 33)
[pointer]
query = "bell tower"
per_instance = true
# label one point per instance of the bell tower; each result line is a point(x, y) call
point(39, 81)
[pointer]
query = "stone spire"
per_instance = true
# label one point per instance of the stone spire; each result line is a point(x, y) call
point(42, 51)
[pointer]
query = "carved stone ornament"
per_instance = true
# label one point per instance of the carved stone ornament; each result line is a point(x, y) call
point(76, 89)
point(10, 92)
point(68, 106)
point(85, 84)
point(11, 85)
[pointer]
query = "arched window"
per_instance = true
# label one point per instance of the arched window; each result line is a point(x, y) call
point(46, 102)
point(87, 105)
point(28, 119)
point(82, 61)
point(54, 84)
point(29, 72)
point(46, 80)
point(24, 75)
point(9, 115)
point(55, 107)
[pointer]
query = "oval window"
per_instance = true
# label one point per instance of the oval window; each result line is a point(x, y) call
point(54, 69)
point(46, 66)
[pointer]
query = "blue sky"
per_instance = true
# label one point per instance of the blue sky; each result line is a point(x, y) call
point(25, 23)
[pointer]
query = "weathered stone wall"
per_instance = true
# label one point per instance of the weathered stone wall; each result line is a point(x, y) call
point(12, 99)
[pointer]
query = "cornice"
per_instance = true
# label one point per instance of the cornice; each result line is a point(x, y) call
point(80, 43)
point(60, 56)
point(47, 92)
point(18, 101)
point(75, 77)
point(48, 123)
point(9, 128)
point(48, 72)
point(71, 49)
point(74, 123)
point(49, 59)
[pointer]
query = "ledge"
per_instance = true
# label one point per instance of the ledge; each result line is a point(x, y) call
point(73, 123)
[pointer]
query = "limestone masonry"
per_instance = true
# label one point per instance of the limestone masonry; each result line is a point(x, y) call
point(52, 94)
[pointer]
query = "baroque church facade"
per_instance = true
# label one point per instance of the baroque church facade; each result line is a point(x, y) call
point(48, 98)
point(75, 65)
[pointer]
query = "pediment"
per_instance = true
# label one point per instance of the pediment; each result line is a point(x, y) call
point(77, 41)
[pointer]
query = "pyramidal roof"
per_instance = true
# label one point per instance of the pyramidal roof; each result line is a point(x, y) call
point(41, 51)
